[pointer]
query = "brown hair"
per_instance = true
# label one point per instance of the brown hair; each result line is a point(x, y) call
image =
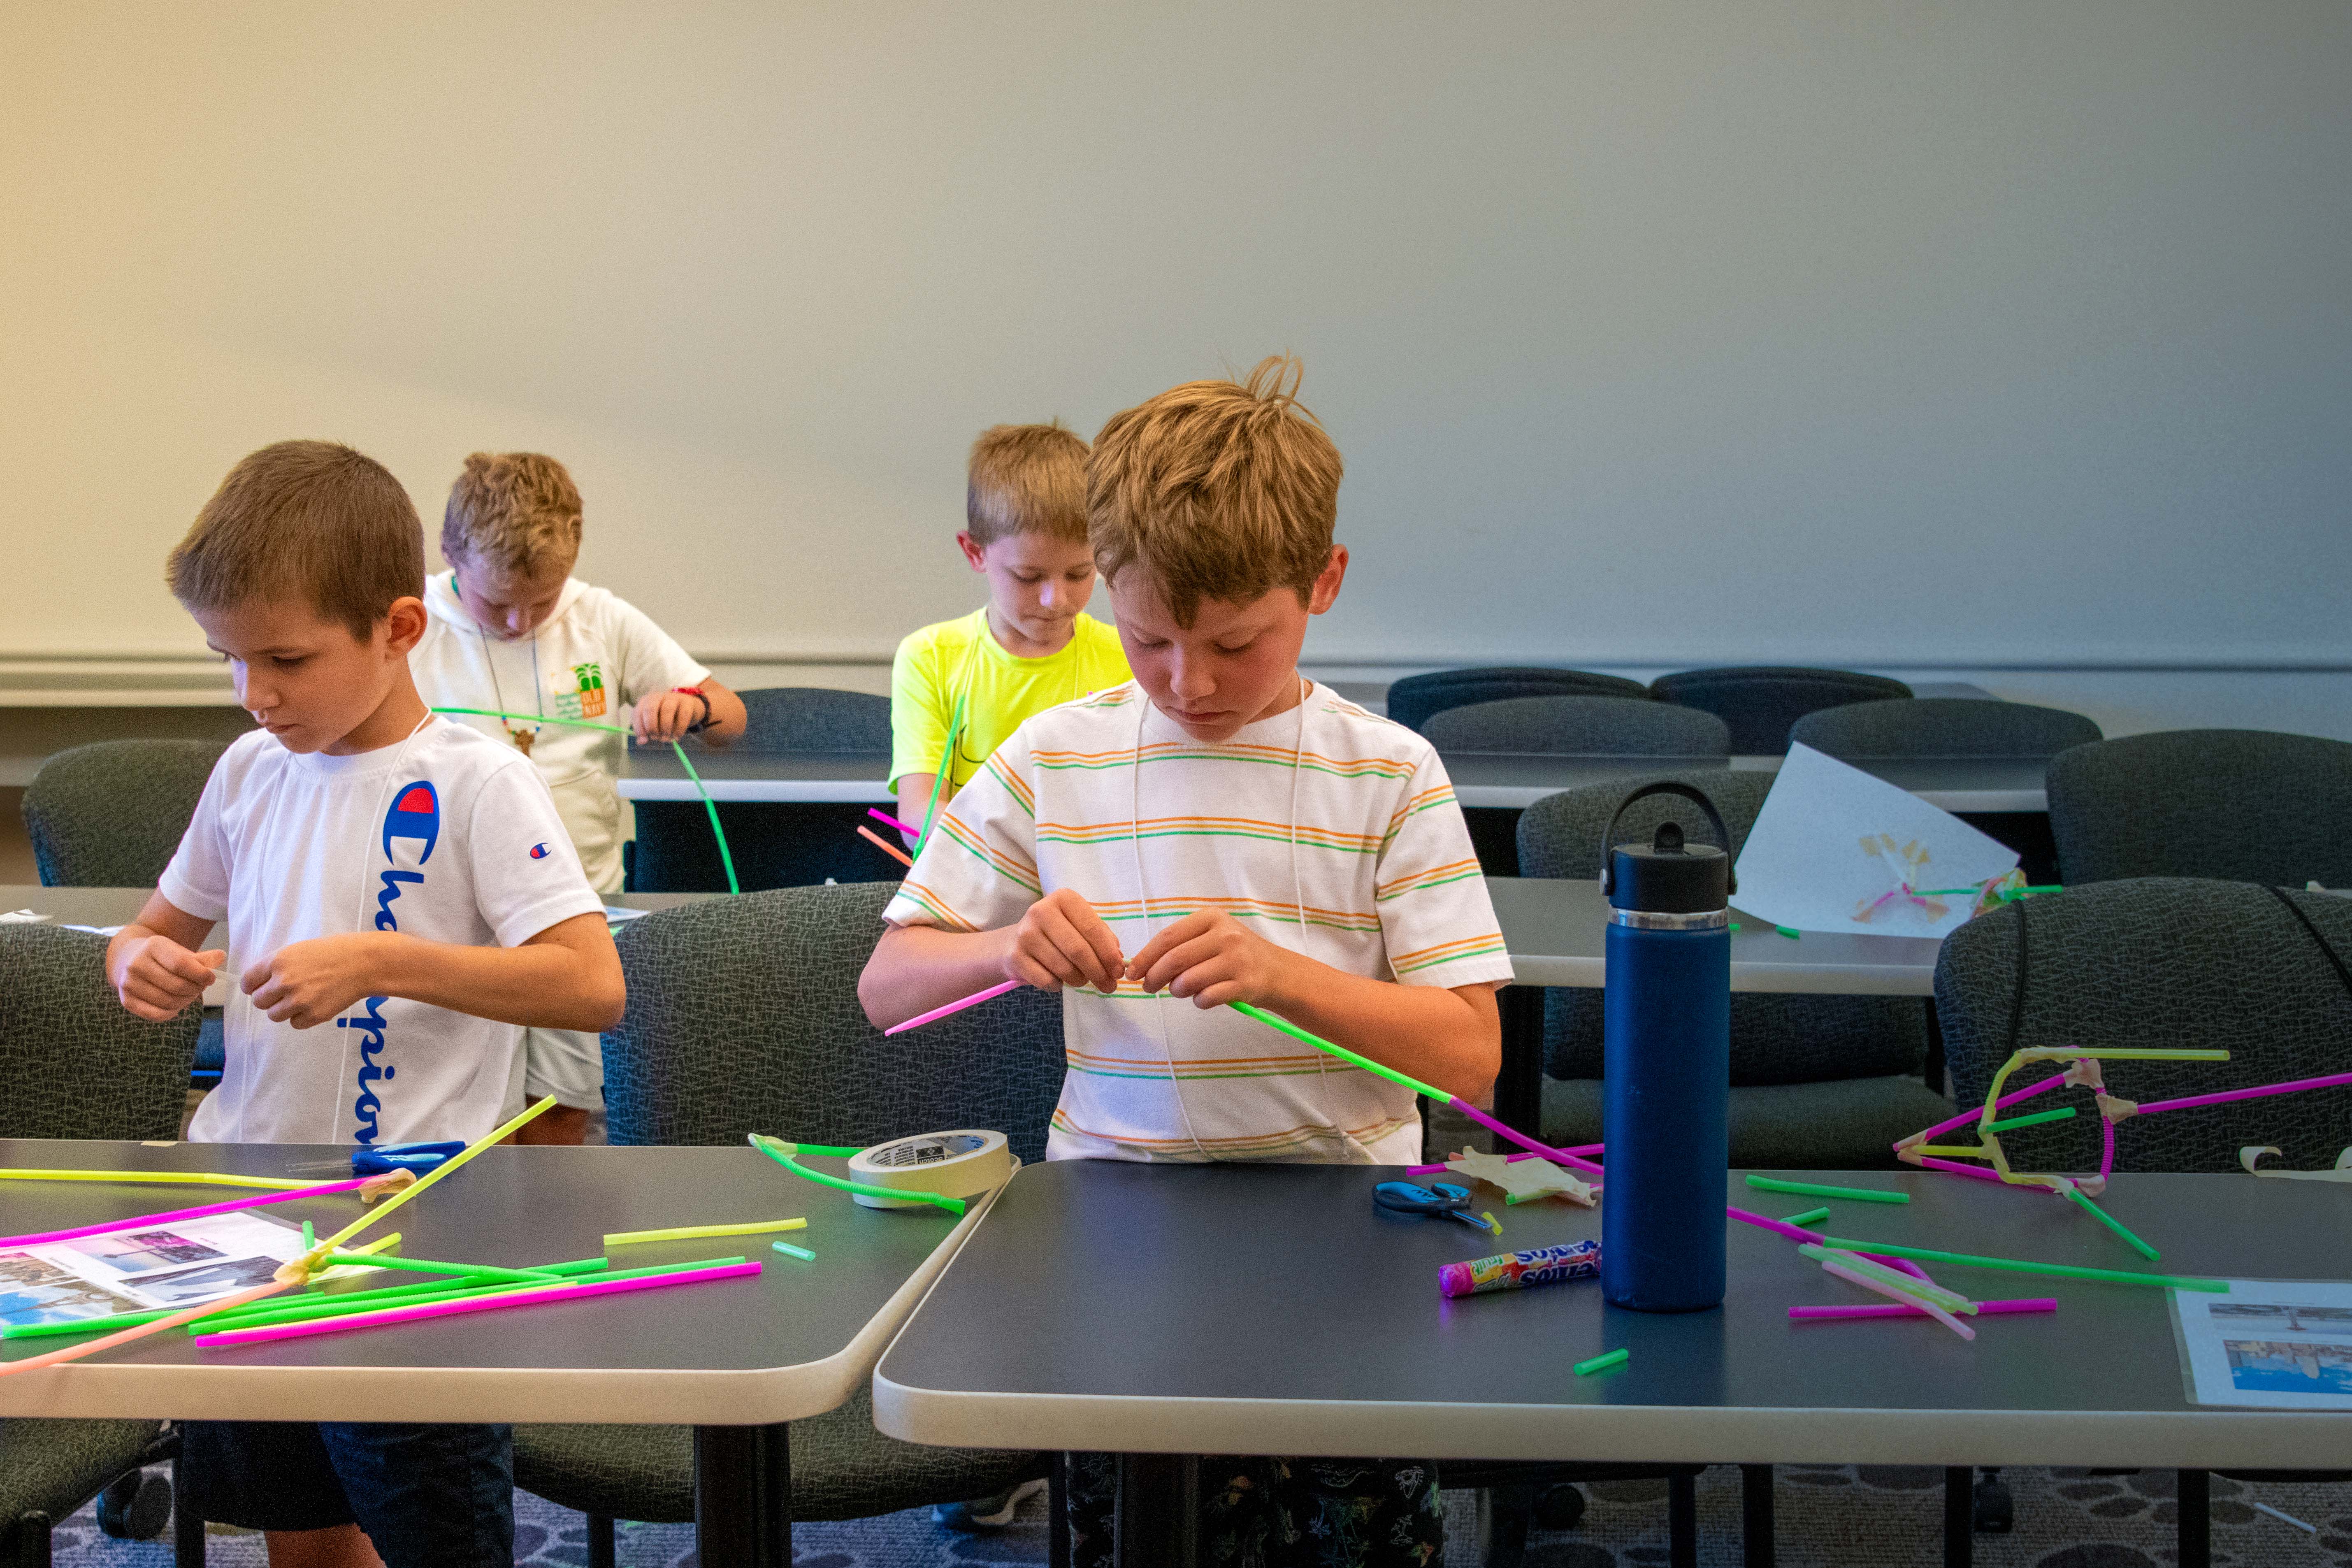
point(304, 519)
point(1219, 489)
point(511, 511)
point(1026, 478)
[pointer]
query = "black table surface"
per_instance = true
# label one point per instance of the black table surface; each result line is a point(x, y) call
point(1270, 1308)
point(792, 1342)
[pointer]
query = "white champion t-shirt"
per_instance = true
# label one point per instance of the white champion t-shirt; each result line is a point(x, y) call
point(1330, 831)
point(595, 657)
point(449, 837)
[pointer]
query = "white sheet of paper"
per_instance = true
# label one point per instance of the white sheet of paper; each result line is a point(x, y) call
point(178, 1263)
point(2274, 1345)
point(1834, 849)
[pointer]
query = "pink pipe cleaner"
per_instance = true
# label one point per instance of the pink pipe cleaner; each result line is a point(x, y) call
point(138, 1222)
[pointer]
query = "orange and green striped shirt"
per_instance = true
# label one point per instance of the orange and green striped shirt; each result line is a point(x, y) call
point(1329, 830)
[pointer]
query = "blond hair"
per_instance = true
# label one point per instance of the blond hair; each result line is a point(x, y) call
point(511, 512)
point(1219, 489)
point(1026, 478)
point(307, 520)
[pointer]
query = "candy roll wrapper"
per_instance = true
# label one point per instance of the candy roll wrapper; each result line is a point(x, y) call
point(1517, 1270)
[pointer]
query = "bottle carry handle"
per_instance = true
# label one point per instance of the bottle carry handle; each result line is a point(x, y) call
point(1663, 787)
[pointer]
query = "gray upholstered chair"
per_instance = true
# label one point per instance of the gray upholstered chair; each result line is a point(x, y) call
point(1580, 726)
point(2178, 964)
point(109, 814)
point(1413, 701)
point(775, 844)
point(2241, 805)
point(743, 1016)
point(1942, 727)
point(1820, 1082)
point(78, 1065)
point(1762, 701)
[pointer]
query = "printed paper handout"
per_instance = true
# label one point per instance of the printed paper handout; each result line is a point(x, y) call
point(2271, 1345)
point(178, 1263)
point(1837, 849)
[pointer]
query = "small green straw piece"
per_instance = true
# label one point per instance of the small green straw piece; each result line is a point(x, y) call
point(1824, 1190)
point(788, 1251)
point(1284, 1027)
point(766, 1145)
point(1602, 1362)
point(1791, 933)
point(2017, 1265)
point(2112, 1223)
point(1808, 1216)
point(2065, 1114)
point(309, 1237)
point(423, 1266)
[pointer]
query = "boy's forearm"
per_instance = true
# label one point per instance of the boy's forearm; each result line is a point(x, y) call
point(1451, 1039)
point(916, 968)
point(914, 799)
point(544, 986)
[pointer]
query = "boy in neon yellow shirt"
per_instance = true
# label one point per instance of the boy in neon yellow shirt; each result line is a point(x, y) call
point(1032, 648)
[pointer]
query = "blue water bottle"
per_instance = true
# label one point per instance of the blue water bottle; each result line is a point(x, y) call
point(1665, 1102)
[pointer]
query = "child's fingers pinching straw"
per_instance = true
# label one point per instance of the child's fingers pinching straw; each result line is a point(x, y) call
point(936, 1014)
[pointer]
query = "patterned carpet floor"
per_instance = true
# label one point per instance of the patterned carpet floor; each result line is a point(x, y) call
point(1829, 1516)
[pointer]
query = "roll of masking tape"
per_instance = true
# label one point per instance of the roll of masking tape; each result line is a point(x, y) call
point(959, 1164)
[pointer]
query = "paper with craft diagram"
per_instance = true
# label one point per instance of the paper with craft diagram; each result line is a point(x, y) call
point(172, 1264)
point(1837, 849)
point(2271, 1345)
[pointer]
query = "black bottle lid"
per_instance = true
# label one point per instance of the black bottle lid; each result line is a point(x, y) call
point(1669, 877)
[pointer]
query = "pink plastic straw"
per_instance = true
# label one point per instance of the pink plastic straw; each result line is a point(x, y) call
point(1522, 1154)
point(2256, 1093)
point(1560, 1156)
point(936, 1014)
point(472, 1304)
point(141, 1222)
point(1984, 1309)
point(2005, 1101)
point(887, 820)
point(1797, 1233)
point(1880, 1288)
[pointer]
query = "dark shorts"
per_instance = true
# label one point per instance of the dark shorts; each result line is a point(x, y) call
point(1284, 1513)
point(427, 1496)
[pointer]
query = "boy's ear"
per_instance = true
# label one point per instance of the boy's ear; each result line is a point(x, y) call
point(404, 623)
point(1326, 591)
point(973, 551)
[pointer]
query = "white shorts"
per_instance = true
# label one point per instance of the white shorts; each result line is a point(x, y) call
point(566, 1063)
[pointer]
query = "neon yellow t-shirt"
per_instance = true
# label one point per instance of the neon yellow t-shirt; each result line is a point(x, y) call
point(962, 658)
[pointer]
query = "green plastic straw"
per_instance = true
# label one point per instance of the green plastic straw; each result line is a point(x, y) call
point(725, 859)
point(1808, 1217)
point(269, 1305)
point(940, 779)
point(1791, 933)
point(2065, 1114)
point(790, 1250)
point(280, 1303)
point(764, 1144)
point(105, 1325)
point(2016, 1266)
point(2112, 1223)
point(1281, 1025)
point(335, 1307)
point(425, 1266)
point(1824, 1190)
point(1602, 1362)
point(309, 1237)
point(1910, 1284)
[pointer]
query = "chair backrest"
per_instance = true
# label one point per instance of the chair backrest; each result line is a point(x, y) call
point(744, 1017)
point(2241, 805)
point(1415, 699)
point(1942, 727)
point(786, 719)
point(74, 1064)
point(2166, 962)
point(1560, 835)
point(109, 814)
point(1580, 726)
point(1760, 702)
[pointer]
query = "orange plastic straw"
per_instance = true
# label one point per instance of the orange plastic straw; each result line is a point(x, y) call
point(75, 1352)
point(885, 846)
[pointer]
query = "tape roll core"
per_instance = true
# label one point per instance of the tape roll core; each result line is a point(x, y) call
point(962, 1163)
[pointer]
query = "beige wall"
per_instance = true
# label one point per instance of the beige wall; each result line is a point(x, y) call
point(1959, 334)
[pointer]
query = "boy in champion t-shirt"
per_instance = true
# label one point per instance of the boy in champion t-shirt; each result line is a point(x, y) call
point(1221, 829)
point(400, 900)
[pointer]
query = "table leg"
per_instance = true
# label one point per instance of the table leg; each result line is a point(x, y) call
point(1756, 1516)
point(743, 1496)
point(1518, 1087)
point(1959, 1515)
point(1155, 1521)
point(2194, 1502)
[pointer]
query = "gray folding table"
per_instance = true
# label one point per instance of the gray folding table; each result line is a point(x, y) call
point(736, 1359)
point(1180, 1310)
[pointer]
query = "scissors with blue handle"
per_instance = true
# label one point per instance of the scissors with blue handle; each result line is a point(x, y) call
point(417, 1157)
point(1437, 1198)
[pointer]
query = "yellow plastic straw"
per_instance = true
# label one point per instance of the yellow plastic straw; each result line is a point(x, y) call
point(169, 1178)
point(687, 1232)
point(310, 1260)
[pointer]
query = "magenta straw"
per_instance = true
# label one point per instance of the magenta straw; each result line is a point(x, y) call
point(1522, 1154)
point(139, 1222)
point(472, 1304)
point(1984, 1309)
point(2005, 1101)
point(936, 1014)
point(2256, 1093)
point(1797, 1233)
point(889, 821)
point(1560, 1156)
